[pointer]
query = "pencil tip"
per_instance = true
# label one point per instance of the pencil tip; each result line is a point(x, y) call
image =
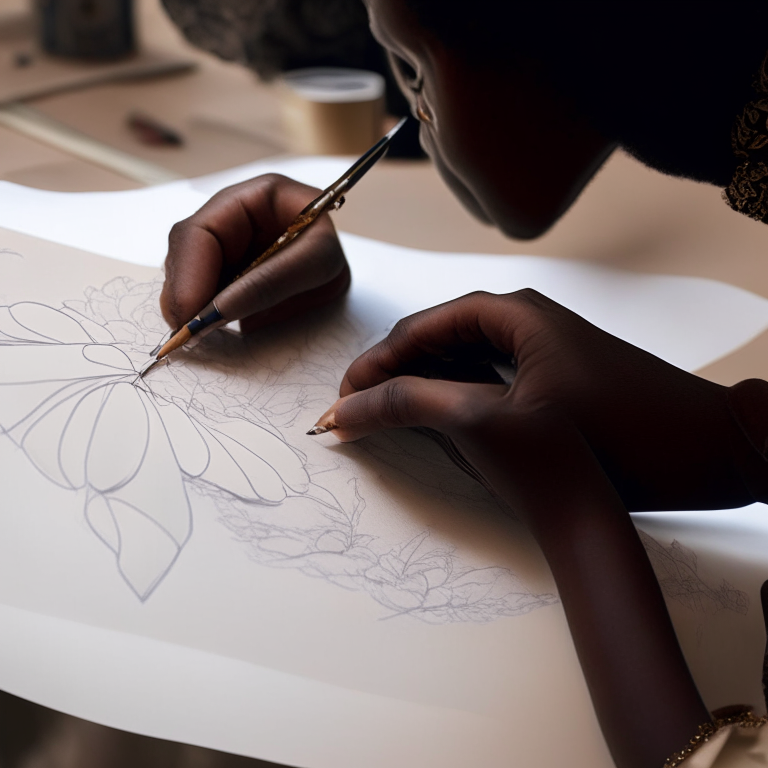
point(318, 430)
point(147, 367)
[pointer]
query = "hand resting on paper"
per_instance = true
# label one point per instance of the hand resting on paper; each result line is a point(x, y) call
point(231, 230)
point(590, 428)
point(665, 438)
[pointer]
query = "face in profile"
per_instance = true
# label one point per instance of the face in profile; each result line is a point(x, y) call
point(513, 150)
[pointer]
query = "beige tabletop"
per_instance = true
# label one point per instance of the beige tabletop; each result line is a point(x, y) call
point(629, 218)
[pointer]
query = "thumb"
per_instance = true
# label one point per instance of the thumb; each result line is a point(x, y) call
point(408, 401)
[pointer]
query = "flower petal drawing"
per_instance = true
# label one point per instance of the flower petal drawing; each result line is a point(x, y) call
point(76, 437)
point(231, 461)
point(119, 439)
point(108, 357)
point(132, 449)
point(49, 323)
point(146, 552)
point(11, 331)
point(272, 450)
point(98, 333)
point(158, 488)
point(189, 446)
point(147, 519)
point(32, 363)
point(99, 516)
point(20, 401)
point(41, 441)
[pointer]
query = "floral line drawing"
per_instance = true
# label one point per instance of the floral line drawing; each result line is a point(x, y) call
point(140, 452)
point(677, 570)
point(88, 423)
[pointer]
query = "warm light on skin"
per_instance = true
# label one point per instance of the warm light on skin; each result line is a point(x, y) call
point(511, 150)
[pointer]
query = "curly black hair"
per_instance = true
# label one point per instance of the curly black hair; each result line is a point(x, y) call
point(666, 80)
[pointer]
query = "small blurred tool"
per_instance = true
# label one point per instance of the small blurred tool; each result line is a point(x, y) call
point(32, 122)
point(149, 131)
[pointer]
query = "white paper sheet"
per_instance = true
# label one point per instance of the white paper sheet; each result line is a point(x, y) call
point(677, 318)
point(133, 225)
point(328, 606)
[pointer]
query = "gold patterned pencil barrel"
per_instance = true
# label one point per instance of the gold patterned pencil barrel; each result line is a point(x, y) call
point(330, 199)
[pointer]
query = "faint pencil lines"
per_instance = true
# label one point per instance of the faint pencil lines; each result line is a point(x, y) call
point(677, 570)
point(91, 426)
point(139, 452)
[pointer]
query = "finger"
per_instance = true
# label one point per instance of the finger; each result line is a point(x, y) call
point(503, 321)
point(312, 261)
point(300, 304)
point(409, 401)
point(233, 227)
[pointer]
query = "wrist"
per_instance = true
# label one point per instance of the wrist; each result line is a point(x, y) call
point(748, 406)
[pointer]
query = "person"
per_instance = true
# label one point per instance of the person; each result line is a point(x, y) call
point(592, 428)
point(272, 37)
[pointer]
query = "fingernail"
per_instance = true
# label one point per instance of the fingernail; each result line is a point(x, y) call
point(326, 423)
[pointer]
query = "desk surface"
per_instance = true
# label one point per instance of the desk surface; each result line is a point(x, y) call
point(629, 218)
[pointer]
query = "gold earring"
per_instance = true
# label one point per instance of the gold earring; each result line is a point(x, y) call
point(423, 113)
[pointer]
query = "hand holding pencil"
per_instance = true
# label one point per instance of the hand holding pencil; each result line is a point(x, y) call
point(232, 229)
point(235, 283)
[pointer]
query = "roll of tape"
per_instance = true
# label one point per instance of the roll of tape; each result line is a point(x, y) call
point(332, 111)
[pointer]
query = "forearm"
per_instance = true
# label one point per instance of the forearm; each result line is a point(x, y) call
point(748, 404)
point(645, 699)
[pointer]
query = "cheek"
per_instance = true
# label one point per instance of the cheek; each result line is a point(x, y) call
point(512, 147)
point(470, 159)
point(429, 141)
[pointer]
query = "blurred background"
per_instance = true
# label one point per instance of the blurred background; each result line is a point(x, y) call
point(192, 87)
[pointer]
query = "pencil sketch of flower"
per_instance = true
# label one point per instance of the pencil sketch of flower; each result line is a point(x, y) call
point(677, 570)
point(142, 453)
point(71, 399)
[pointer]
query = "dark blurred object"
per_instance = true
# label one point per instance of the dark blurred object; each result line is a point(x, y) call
point(275, 36)
point(149, 131)
point(87, 29)
point(22, 59)
point(37, 737)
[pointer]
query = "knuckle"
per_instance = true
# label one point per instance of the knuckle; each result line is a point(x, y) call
point(332, 263)
point(178, 233)
point(472, 412)
point(529, 296)
point(270, 182)
point(480, 295)
point(264, 288)
point(394, 403)
point(399, 334)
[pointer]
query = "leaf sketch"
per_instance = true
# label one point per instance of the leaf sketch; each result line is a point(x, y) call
point(140, 451)
point(677, 570)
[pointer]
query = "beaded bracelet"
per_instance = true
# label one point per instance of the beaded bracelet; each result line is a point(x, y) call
point(745, 719)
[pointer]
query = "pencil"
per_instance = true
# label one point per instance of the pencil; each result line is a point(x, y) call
point(329, 199)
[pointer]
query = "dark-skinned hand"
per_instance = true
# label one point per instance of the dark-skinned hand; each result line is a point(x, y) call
point(233, 228)
point(664, 437)
point(590, 427)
